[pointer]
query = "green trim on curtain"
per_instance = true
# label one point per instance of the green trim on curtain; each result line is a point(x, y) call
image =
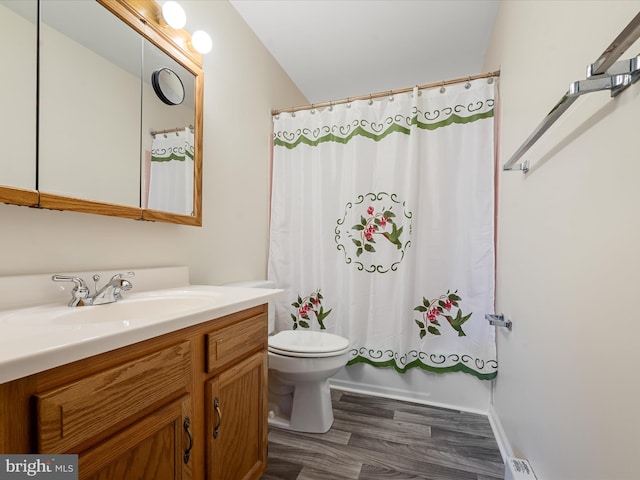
point(173, 156)
point(312, 138)
point(458, 367)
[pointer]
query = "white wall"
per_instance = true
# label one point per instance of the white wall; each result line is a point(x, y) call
point(567, 391)
point(242, 83)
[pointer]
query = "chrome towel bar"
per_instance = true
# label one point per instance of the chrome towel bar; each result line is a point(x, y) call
point(604, 74)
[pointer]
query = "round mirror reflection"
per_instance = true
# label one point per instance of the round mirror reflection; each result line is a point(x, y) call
point(168, 86)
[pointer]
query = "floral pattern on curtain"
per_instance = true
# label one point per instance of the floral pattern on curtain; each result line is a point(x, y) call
point(382, 227)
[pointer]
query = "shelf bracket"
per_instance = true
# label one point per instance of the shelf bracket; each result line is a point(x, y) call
point(630, 66)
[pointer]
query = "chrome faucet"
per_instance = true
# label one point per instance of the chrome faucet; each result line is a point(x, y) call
point(109, 293)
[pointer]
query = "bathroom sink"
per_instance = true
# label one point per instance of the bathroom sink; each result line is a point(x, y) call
point(129, 311)
point(133, 309)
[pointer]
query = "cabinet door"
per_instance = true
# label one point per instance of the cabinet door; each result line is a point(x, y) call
point(154, 448)
point(237, 421)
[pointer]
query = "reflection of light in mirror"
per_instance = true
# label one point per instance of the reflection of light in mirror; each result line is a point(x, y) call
point(173, 14)
point(201, 41)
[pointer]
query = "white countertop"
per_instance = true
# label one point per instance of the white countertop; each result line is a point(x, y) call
point(35, 338)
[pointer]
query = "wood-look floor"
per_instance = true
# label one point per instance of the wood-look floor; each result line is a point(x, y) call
point(375, 438)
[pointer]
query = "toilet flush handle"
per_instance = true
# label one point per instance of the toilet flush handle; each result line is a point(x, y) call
point(216, 405)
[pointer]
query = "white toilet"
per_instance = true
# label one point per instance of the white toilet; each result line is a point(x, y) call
point(300, 365)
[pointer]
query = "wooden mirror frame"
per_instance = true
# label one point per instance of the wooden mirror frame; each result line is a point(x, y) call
point(145, 17)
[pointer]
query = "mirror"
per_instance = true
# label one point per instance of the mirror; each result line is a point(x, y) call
point(89, 106)
point(99, 113)
point(18, 100)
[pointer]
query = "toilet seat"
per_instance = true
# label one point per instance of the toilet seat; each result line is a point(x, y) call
point(299, 343)
point(307, 354)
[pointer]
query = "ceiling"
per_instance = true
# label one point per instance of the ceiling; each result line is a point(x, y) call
point(335, 49)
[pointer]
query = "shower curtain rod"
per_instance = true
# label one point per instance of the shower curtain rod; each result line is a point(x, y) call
point(371, 96)
point(168, 130)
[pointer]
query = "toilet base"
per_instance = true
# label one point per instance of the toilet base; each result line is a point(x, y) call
point(301, 407)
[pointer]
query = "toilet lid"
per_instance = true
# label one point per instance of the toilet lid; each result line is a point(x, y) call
point(306, 342)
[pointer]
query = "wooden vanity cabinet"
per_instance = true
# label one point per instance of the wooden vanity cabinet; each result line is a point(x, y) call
point(140, 411)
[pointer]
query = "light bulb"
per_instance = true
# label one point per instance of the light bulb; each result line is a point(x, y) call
point(201, 41)
point(174, 14)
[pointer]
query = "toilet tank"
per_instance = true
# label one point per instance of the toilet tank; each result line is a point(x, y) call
point(261, 284)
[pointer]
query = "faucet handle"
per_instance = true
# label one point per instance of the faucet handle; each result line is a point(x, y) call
point(123, 275)
point(123, 285)
point(79, 282)
point(79, 292)
point(126, 285)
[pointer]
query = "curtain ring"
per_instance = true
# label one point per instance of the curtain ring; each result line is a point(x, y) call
point(313, 110)
point(391, 95)
point(293, 112)
point(468, 84)
point(330, 106)
point(348, 102)
point(370, 99)
point(490, 80)
point(442, 89)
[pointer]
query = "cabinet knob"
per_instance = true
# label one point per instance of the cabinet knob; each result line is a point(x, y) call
point(216, 406)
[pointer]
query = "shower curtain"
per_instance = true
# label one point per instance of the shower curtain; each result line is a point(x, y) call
point(382, 227)
point(171, 178)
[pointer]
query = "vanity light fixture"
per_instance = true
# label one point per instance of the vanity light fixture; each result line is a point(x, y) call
point(201, 41)
point(173, 14)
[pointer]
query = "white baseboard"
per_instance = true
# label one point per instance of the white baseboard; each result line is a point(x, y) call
point(501, 437)
point(395, 394)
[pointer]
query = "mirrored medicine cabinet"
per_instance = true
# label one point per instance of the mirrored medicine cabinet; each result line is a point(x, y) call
point(102, 114)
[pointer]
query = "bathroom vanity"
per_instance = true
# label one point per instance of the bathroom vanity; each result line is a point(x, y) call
point(187, 403)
